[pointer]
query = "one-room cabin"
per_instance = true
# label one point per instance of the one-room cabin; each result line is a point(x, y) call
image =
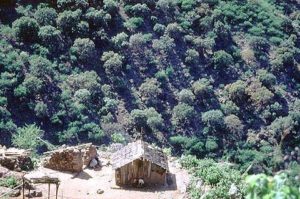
point(139, 163)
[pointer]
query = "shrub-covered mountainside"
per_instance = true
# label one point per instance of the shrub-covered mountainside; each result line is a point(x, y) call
point(213, 78)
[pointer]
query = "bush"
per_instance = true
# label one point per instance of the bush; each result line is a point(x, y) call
point(28, 137)
point(262, 186)
point(259, 94)
point(192, 56)
point(10, 182)
point(266, 78)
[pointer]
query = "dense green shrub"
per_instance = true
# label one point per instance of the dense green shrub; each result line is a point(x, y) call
point(83, 50)
point(186, 96)
point(26, 29)
point(182, 114)
point(213, 118)
point(28, 137)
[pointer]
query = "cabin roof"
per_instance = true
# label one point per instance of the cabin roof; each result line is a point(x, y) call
point(137, 150)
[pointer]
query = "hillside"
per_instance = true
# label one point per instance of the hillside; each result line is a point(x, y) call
point(210, 78)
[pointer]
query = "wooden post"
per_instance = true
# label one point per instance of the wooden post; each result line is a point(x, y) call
point(48, 190)
point(57, 185)
point(23, 188)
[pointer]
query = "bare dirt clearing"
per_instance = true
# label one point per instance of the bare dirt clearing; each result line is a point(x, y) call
point(85, 184)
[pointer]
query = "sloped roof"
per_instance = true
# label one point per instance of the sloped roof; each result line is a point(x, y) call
point(137, 150)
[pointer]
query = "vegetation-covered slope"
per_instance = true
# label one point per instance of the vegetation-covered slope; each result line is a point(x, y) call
point(216, 78)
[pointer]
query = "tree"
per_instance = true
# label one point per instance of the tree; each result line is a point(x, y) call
point(237, 91)
point(28, 137)
point(84, 50)
point(186, 96)
point(68, 20)
point(234, 124)
point(164, 45)
point(259, 94)
point(73, 4)
point(26, 29)
point(213, 119)
point(192, 56)
point(150, 90)
point(46, 16)
point(51, 38)
point(120, 40)
point(112, 62)
point(202, 88)
point(134, 23)
point(147, 118)
point(222, 60)
point(110, 5)
point(182, 114)
point(266, 78)
point(141, 10)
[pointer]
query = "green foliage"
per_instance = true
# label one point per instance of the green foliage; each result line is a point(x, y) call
point(186, 96)
point(218, 176)
point(134, 23)
point(182, 114)
point(202, 88)
point(26, 29)
point(147, 118)
point(213, 118)
point(150, 90)
point(101, 71)
point(222, 60)
point(28, 137)
point(83, 50)
point(45, 16)
point(10, 182)
point(112, 62)
point(279, 186)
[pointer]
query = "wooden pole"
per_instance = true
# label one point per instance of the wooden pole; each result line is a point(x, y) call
point(48, 190)
point(23, 188)
point(57, 185)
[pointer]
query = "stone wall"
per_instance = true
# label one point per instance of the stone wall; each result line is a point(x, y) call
point(70, 158)
point(15, 159)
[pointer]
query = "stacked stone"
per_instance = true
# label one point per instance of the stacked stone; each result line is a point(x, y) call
point(15, 159)
point(89, 153)
point(69, 159)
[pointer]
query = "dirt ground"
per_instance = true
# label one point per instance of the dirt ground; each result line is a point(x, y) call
point(84, 185)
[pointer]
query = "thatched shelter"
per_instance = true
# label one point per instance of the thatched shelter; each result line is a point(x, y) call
point(139, 160)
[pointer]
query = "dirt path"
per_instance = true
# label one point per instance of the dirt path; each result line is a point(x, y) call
point(85, 185)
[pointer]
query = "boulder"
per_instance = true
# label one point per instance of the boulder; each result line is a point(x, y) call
point(100, 191)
